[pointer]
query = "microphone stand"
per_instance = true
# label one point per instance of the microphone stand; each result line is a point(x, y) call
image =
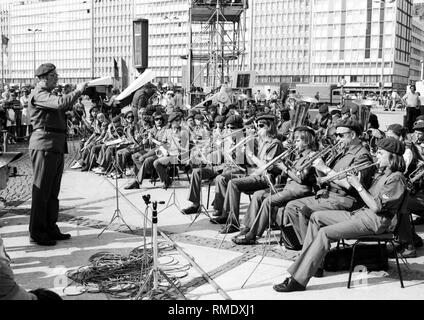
point(156, 271)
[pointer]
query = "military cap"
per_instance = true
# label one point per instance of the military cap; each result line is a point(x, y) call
point(44, 69)
point(219, 119)
point(266, 116)
point(125, 111)
point(158, 115)
point(151, 109)
point(199, 117)
point(345, 109)
point(419, 126)
point(351, 124)
point(174, 116)
point(392, 145)
point(235, 121)
point(324, 109)
point(397, 129)
point(193, 112)
point(305, 128)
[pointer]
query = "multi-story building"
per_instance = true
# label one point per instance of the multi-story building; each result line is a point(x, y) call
point(168, 36)
point(417, 50)
point(112, 25)
point(49, 31)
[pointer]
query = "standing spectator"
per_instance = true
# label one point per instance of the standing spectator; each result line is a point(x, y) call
point(16, 105)
point(412, 101)
point(11, 123)
point(26, 121)
point(6, 93)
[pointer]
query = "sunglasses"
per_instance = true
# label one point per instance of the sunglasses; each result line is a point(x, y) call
point(341, 135)
point(130, 117)
point(232, 128)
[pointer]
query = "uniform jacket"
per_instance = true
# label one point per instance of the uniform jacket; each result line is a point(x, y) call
point(48, 110)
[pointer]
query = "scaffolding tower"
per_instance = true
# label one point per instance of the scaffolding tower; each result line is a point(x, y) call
point(217, 41)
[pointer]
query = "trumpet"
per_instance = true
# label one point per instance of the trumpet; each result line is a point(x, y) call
point(416, 175)
point(343, 174)
point(318, 155)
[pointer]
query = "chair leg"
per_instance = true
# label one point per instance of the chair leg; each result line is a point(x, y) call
point(209, 193)
point(351, 264)
point(398, 267)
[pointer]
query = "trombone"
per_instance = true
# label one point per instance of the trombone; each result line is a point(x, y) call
point(416, 175)
point(320, 154)
point(281, 157)
point(343, 174)
point(243, 142)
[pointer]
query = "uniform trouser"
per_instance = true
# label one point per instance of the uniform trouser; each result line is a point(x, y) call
point(406, 232)
point(106, 157)
point(330, 226)
point(161, 166)
point(234, 190)
point(221, 183)
point(138, 159)
point(124, 158)
point(196, 182)
point(265, 205)
point(299, 211)
point(411, 115)
point(93, 156)
point(47, 168)
point(146, 167)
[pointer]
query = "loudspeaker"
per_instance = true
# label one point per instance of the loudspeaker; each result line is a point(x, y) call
point(141, 44)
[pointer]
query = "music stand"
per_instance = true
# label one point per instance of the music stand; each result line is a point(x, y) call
point(155, 270)
point(269, 231)
point(117, 214)
point(202, 209)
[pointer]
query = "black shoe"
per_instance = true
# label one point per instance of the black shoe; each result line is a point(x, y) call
point(191, 210)
point(229, 229)
point(43, 240)
point(219, 220)
point(60, 236)
point(289, 285)
point(319, 273)
point(166, 185)
point(131, 186)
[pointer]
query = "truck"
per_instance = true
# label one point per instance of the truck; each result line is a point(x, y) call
point(324, 93)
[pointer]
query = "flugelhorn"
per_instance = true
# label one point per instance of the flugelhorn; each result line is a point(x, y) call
point(343, 174)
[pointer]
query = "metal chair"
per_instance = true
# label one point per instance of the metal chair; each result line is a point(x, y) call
point(385, 238)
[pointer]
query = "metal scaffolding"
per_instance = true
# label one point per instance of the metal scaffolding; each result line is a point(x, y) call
point(217, 44)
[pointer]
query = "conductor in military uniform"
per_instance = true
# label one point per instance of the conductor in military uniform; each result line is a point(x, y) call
point(47, 147)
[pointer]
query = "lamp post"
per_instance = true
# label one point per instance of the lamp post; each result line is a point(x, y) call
point(170, 19)
point(34, 31)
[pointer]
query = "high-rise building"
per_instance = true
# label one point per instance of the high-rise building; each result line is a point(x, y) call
point(49, 31)
point(417, 50)
point(168, 36)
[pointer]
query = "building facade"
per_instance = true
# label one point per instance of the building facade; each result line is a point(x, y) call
point(417, 45)
point(49, 31)
point(168, 36)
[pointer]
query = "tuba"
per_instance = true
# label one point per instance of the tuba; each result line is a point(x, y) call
point(301, 111)
point(364, 112)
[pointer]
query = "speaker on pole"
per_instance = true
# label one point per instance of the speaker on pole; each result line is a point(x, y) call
point(141, 44)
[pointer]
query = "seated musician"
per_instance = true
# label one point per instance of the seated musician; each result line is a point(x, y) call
point(338, 195)
point(269, 148)
point(92, 145)
point(199, 136)
point(132, 145)
point(223, 172)
point(106, 156)
point(299, 185)
point(143, 160)
point(407, 237)
point(383, 201)
point(176, 140)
